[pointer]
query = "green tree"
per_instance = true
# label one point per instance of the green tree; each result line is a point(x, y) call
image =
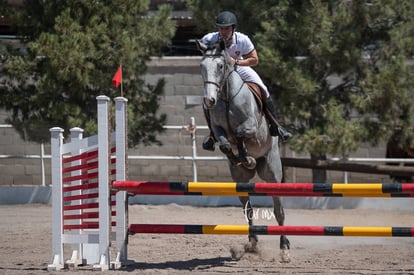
point(73, 49)
point(358, 45)
point(337, 69)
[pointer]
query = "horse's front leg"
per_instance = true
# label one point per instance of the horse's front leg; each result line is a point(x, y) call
point(248, 161)
point(246, 130)
point(225, 148)
point(249, 215)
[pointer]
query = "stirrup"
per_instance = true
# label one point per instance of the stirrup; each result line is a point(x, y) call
point(209, 144)
point(283, 134)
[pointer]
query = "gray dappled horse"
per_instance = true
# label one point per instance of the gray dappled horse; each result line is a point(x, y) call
point(239, 125)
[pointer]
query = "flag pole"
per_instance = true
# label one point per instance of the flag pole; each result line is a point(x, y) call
point(122, 89)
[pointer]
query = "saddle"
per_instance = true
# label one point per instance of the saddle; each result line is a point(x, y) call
point(260, 97)
point(258, 94)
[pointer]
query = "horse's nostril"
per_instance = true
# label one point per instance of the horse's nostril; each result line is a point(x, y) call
point(209, 102)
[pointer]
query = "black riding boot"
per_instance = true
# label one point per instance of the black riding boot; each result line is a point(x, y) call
point(275, 128)
point(209, 141)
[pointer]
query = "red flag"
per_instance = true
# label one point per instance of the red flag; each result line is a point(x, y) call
point(117, 77)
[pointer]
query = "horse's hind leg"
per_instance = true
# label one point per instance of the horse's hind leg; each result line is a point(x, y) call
point(270, 170)
point(280, 218)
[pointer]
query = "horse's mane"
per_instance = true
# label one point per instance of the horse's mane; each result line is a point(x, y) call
point(215, 47)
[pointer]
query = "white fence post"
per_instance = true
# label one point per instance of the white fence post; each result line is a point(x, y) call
point(57, 202)
point(194, 148)
point(121, 141)
point(104, 183)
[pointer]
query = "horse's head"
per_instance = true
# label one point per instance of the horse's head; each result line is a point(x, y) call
point(215, 66)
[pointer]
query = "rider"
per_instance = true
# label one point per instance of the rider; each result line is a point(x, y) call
point(244, 55)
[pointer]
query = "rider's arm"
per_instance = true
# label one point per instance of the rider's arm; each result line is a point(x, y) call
point(251, 59)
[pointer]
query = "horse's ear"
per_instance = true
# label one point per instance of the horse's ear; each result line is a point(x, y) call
point(201, 46)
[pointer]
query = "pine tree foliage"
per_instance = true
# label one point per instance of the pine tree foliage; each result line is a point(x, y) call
point(73, 50)
point(340, 72)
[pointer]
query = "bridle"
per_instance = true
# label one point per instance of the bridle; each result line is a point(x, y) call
point(221, 86)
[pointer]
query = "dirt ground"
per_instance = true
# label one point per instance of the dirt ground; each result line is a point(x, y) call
point(25, 243)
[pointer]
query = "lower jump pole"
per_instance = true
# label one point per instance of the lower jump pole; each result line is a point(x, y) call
point(267, 189)
point(222, 229)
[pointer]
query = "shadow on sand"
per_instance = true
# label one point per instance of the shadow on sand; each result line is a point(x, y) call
point(194, 264)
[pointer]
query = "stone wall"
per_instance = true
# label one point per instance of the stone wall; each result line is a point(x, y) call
point(180, 102)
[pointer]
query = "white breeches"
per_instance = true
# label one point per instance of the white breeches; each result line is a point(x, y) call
point(250, 75)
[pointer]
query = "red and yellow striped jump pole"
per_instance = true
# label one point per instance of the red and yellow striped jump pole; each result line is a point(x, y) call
point(267, 189)
point(356, 231)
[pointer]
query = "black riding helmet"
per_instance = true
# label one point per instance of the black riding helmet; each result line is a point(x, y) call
point(225, 19)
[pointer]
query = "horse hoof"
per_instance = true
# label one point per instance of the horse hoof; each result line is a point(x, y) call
point(250, 164)
point(284, 256)
point(251, 246)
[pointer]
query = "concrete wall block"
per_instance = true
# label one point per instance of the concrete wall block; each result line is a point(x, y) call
point(13, 149)
point(175, 101)
point(195, 80)
point(169, 90)
point(207, 168)
point(178, 137)
point(148, 150)
point(152, 79)
point(23, 180)
point(32, 149)
point(169, 150)
point(150, 170)
point(188, 90)
point(195, 111)
point(186, 171)
point(177, 79)
point(167, 109)
point(6, 179)
point(33, 169)
point(175, 120)
point(137, 162)
point(134, 170)
point(18, 169)
point(175, 138)
point(7, 138)
point(185, 151)
point(168, 78)
point(172, 169)
point(37, 180)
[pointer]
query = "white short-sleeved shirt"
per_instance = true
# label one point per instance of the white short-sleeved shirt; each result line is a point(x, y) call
point(241, 45)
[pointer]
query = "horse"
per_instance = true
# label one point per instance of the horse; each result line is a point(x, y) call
point(241, 130)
